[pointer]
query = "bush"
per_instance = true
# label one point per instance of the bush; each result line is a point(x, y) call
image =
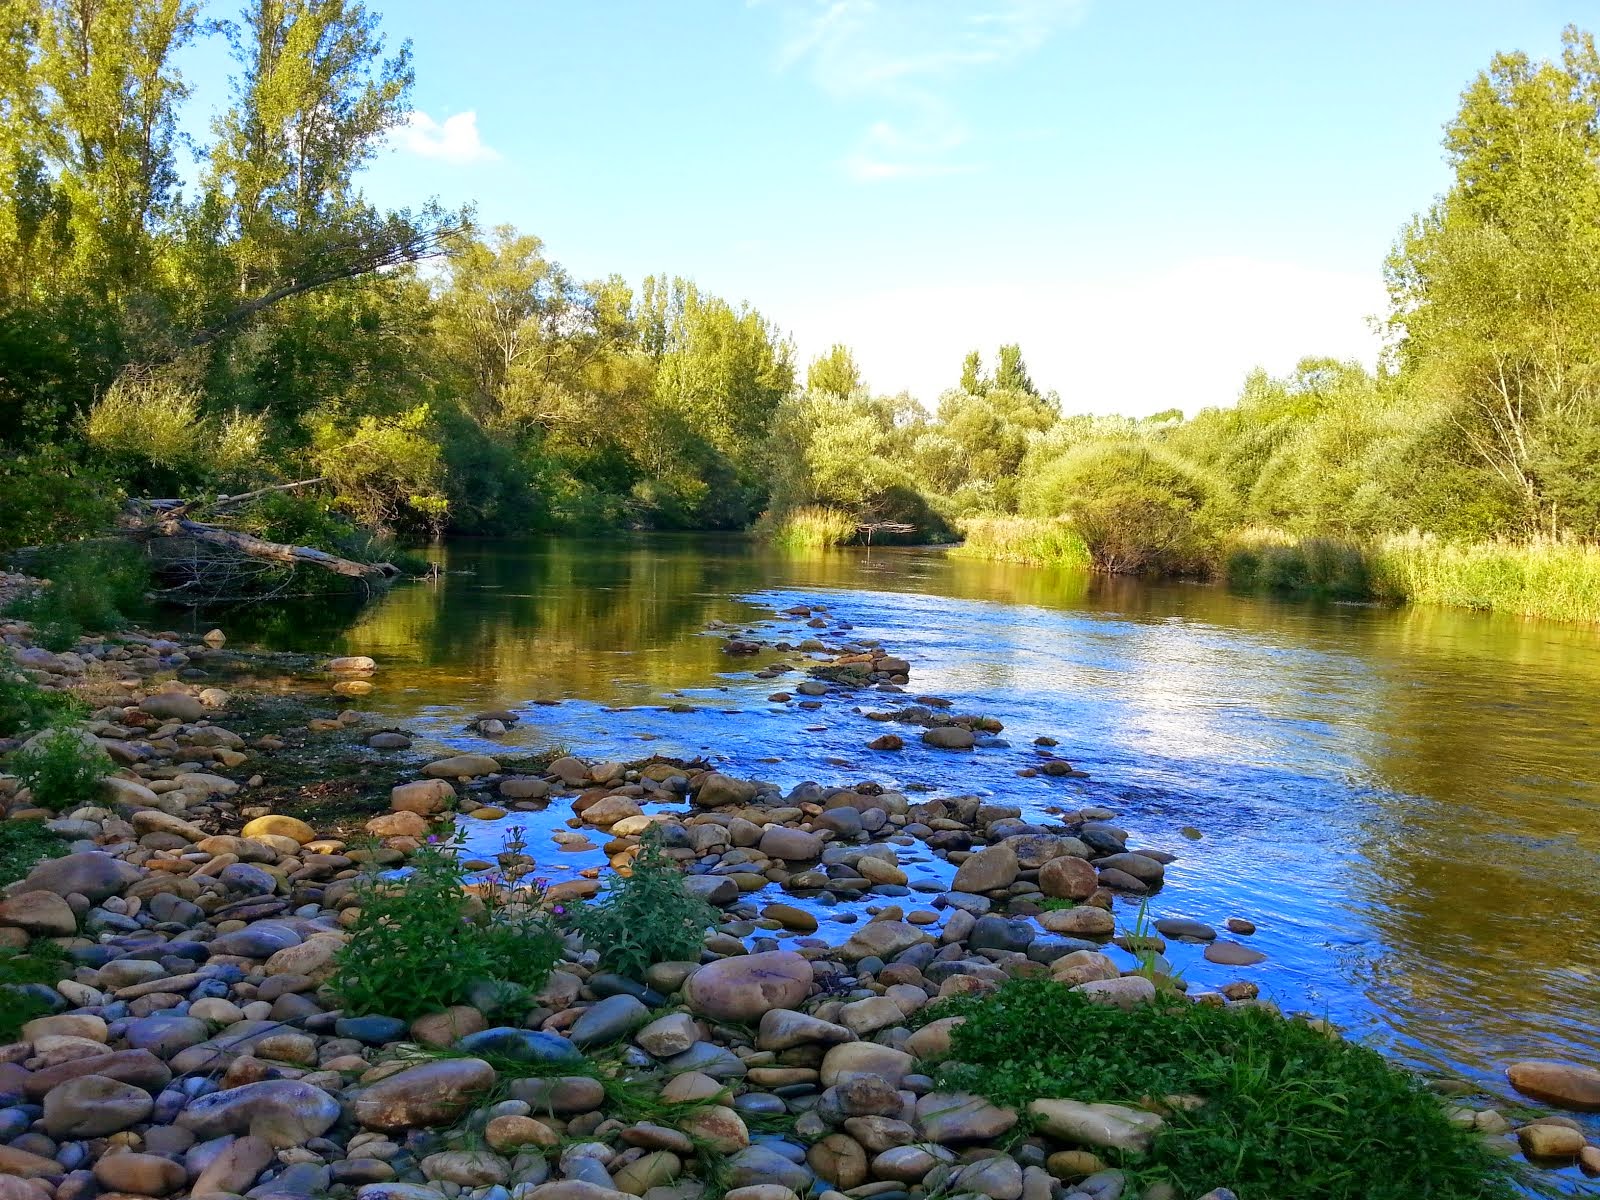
point(645, 917)
point(1141, 509)
point(48, 497)
point(94, 587)
point(386, 472)
point(26, 707)
point(421, 941)
point(61, 770)
point(1289, 1110)
point(813, 527)
point(23, 843)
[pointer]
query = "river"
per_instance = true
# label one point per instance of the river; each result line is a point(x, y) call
point(1406, 802)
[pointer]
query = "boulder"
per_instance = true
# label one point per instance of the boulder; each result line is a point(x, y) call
point(746, 986)
point(1565, 1085)
point(989, 869)
point(950, 737)
point(435, 1093)
point(1109, 1126)
point(461, 766)
point(717, 790)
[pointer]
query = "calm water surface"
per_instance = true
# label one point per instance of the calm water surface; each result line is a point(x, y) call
point(1406, 802)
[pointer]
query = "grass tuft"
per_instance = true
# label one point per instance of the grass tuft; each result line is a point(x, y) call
point(1036, 542)
point(814, 527)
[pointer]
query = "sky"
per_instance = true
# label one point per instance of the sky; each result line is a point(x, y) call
point(1152, 197)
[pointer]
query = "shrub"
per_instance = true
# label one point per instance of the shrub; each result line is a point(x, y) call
point(645, 917)
point(385, 471)
point(61, 770)
point(26, 707)
point(41, 963)
point(1141, 509)
point(1260, 560)
point(148, 417)
point(23, 843)
point(421, 942)
point(1289, 1110)
point(47, 497)
point(94, 586)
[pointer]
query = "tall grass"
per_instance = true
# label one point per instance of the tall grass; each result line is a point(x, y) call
point(813, 527)
point(1557, 578)
point(1554, 578)
point(1036, 541)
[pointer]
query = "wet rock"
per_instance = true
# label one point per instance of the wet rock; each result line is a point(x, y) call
point(523, 1045)
point(461, 766)
point(423, 796)
point(1565, 1085)
point(718, 790)
point(1548, 1141)
point(1067, 878)
point(881, 939)
point(1231, 954)
point(1084, 921)
point(745, 987)
point(949, 737)
point(987, 870)
point(1184, 927)
point(791, 917)
point(795, 845)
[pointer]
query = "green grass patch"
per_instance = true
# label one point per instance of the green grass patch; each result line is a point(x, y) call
point(1036, 542)
point(1288, 1109)
point(24, 843)
point(41, 962)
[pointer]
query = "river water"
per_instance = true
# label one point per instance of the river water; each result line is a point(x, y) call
point(1407, 802)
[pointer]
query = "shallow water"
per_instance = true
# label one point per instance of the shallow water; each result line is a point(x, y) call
point(1406, 802)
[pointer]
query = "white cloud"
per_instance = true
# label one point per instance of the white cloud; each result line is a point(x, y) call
point(454, 140)
point(899, 55)
point(1183, 337)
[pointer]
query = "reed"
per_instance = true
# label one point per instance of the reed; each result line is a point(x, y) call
point(1036, 541)
point(813, 527)
point(1553, 578)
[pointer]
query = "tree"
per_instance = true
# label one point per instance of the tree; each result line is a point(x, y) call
point(834, 373)
point(1494, 291)
point(1011, 374)
point(973, 381)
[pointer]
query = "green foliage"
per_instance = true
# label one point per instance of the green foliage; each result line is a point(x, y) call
point(41, 962)
point(421, 942)
point(385, 471)
point(1289, 1110)
point(25, 707)
point(47, 496)
point(93, 587)
point(24, 843)
point(61, 770)
point(1140, 509)
point(645, 917)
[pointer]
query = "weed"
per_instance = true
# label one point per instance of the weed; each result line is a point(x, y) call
point(646, 917)
point(421, 941)
point(814, 527)
point(61, 770)
point(1038, 542)
point(22, 844)
point(1288, 1110)
point(26, 707)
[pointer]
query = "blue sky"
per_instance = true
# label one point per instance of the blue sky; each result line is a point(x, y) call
point(1150, 197)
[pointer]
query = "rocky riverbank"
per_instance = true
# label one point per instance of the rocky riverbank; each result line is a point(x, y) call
point(193, 1044)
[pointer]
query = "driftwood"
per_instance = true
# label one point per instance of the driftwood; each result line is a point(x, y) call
point(209, 561)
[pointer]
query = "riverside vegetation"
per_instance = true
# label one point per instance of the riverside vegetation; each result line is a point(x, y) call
point(262, 323)
point(207, 995)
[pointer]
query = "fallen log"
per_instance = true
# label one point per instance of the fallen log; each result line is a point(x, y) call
point(251, 546)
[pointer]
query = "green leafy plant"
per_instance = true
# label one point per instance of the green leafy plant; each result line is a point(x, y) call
point(422, 941)
point(26, 707)
point(61, 770)
point(1289, 1110)
point(93, 587)
point(646, 917)
point(23, 843)
point(41, 962)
